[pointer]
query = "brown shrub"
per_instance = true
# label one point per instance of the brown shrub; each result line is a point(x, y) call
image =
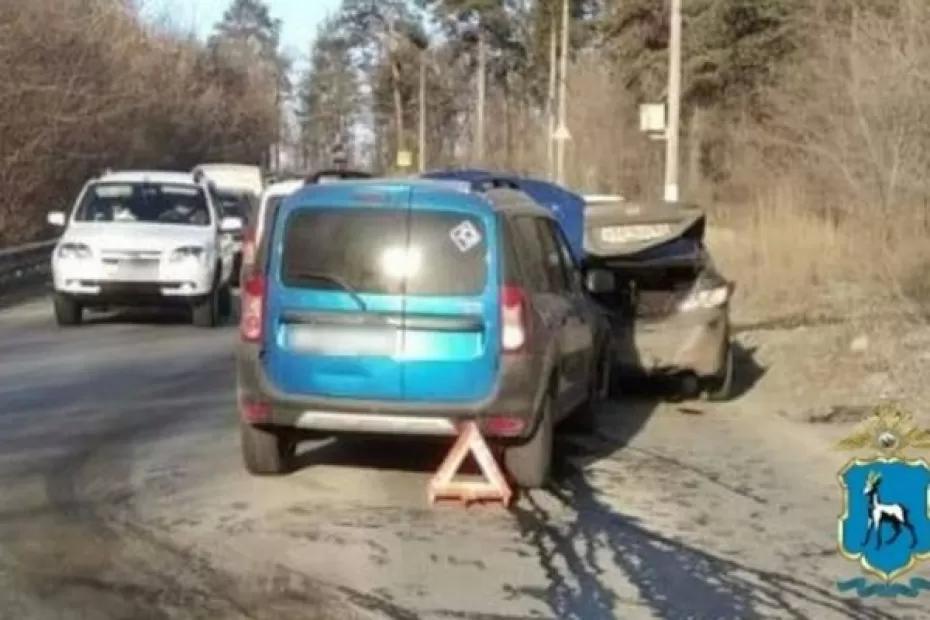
point(86, 86)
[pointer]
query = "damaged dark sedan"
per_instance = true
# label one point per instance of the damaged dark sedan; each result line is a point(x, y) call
point(668, 305)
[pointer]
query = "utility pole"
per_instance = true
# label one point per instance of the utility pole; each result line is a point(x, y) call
point(550, 99)
point(674, 105)
point(421, 146)
point(563, 135)
point(479, 114)
point(276, 148)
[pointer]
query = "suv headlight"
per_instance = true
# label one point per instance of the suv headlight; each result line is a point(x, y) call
point(78, 251)
point(705, 298)
point(186, 253)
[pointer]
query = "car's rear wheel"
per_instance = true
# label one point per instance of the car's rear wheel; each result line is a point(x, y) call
point(720, 386)
point(584, 419)
point(529, 463)
point(68, 312)
point(206, 312)
point(267, 451)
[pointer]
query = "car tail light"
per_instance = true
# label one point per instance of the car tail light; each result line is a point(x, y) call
point(514, 318)
point(504, 426)
point(253, 308)
point(254, 411)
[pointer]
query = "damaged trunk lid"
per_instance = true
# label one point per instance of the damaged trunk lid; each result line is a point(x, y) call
point(625, 231)
point(656, 252)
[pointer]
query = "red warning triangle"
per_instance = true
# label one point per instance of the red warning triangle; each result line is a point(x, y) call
point(494, 487)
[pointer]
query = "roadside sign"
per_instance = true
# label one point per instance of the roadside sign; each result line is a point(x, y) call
point(404, 159)
point(652, 118)
point(562, 134)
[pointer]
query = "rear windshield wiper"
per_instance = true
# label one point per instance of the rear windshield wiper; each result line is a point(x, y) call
point(325, 277)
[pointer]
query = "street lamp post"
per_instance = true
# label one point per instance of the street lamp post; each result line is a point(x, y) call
point(421, 146)
point(674, 105)
point(562, 134)
point(550, 98)
point(479, 112)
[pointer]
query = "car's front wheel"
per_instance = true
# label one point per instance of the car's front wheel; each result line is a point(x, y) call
point(720, 386)
point(529, 462)
point(206, 312)
point(68, 312)
point(267, 451)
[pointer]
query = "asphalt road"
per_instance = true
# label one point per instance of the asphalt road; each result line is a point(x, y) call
point(123, 496)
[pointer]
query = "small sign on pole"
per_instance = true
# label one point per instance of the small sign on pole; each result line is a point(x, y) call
point(562, 134)
point(652, 118)
point(404, 159)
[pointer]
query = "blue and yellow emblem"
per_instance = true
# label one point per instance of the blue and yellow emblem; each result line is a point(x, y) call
point(885, 525)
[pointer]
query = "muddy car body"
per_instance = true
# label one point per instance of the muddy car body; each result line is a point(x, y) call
point(669, 306)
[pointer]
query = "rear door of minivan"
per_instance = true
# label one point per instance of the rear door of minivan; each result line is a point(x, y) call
point(335, 300)
point(451, 342)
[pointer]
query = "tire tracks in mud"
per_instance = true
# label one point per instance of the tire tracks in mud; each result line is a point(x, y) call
point(98, 563)
point(83, 549)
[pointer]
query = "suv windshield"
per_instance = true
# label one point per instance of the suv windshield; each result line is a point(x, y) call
point(144, 202)
point(233, 205)
point(372, 251)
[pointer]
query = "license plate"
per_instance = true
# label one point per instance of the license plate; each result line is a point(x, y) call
point(634, 233)
point(136, 270)
point(337, 342)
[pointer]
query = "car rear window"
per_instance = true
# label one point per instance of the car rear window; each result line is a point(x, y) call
point(532, 254)
point(453, 248)
point(270, 213)
point(374, 251)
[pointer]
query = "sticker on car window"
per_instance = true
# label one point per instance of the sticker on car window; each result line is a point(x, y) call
point(113, 191)
point(465, 236)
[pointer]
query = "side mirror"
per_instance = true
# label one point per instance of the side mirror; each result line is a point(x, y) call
point(600, 281)
point(230, 224)
point(56, 218)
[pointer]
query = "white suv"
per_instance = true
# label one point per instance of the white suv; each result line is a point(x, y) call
point(143, 238)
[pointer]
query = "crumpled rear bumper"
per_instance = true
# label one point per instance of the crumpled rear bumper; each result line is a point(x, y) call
point(685, 342)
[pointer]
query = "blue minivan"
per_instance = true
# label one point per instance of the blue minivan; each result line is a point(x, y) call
point(406, 306)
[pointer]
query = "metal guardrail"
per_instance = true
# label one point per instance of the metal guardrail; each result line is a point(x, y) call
point(25, 264)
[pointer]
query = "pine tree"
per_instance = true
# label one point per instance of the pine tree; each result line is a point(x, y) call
point(329, 97)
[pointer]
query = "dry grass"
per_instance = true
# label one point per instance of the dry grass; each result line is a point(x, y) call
point(790, 261)
point(779, 255)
